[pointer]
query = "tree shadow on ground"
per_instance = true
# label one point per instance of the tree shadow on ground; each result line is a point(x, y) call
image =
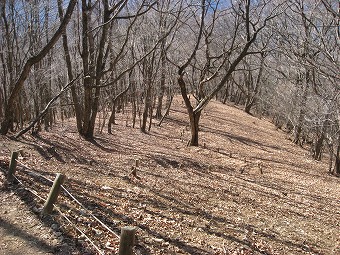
point(67, 247)
point(100, 142)
point(106, 213)
point(62, 150)
point(93, 198)
point(13, 230)
point(241, 139)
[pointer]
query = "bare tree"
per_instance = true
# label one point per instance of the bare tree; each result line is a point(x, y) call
point(19, 83)
point(235, 48)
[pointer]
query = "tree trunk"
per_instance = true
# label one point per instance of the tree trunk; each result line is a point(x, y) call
point(162, 83)
point(93, 65)
point(336, 170)
point(1, 103)
point(302, 110)
point(331, 155)
point(320, 141)
point(152, 106)
point(134, 105)
point(94, 112)
point(147, 105)
point(253, 89)
point(226, 93)
point(160, 98)
point(77, 107)
point(167, 111)
point(317, 153)
point(194, 127)
point(112, 119)
point(249, 104)
point(194, 117)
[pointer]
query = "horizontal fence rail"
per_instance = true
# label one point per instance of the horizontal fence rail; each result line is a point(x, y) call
point(127, 236)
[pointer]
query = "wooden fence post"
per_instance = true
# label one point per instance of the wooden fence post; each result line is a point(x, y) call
point(12, 166)
point(53, 195)
point(127, 240)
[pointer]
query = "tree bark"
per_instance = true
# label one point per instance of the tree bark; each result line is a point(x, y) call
point(193, 117)
point(318, 147)
point(194, 126)
point(147, 106)
point(317, 153)
point(336, 169)
point(162, 81)
point(302, 109)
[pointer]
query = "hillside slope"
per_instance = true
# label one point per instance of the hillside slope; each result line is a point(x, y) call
point(246, 190)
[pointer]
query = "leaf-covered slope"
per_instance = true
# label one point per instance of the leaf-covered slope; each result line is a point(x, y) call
point(246, 190)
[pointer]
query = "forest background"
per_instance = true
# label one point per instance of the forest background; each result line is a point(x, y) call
point(90, 59)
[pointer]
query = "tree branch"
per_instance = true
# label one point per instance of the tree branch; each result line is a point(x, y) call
point(44, 111)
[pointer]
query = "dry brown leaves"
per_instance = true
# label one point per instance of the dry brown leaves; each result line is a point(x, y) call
point(246, 190)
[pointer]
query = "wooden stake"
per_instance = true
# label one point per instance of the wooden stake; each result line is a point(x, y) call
point(53, 195)
point(12, 166)
point(127, 240)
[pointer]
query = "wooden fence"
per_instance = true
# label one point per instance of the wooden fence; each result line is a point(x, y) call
point(127, 235)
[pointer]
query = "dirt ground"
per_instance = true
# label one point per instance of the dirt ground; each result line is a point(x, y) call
point(22, 232)
point(245, 190)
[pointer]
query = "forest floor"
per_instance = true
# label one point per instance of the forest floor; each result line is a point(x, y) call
point(247, 189)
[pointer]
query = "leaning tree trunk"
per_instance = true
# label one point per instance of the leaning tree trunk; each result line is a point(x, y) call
point(167, 111)
point(14, 95)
